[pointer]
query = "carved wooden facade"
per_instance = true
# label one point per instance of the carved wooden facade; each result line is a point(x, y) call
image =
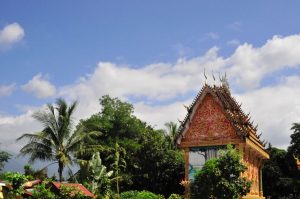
point(216, 119)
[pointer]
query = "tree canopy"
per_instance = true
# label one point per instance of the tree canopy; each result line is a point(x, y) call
point(143, 158)
point(56, 141)
point(220, 178)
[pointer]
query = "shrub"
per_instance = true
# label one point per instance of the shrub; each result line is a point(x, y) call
point(140, 195)
point(41, 192)
point(174, 196)
point(128, 194)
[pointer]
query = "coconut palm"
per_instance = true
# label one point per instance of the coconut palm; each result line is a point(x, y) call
point(172, 132)
point(56, 142)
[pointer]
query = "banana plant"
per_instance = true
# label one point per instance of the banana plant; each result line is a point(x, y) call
point(100, 177)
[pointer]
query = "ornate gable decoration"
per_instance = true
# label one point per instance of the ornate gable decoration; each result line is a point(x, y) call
point(214, 116)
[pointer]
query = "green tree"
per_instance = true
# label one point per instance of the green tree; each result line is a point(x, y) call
point(220, 178)
point(151, 163)
point(294, 147)
point(4, 157)
point(56, 142)
point(16, 180)
point(171, 133)
point(278, 178)
point(40, 191)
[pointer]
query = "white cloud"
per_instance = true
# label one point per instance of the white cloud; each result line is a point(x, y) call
point(6, 90)
point(167, 82)
point(249, 65)
point(12, 127)
point(40, 87)
point(10, 35)
point(233, 42)
point(275, 108)
point(161, 89)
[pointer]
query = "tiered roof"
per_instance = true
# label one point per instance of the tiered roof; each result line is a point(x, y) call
point(239, 120)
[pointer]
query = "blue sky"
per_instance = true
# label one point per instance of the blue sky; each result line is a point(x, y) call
point(150, 53)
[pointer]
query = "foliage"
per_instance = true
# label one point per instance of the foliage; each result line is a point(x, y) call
point(42, 192)
point(31, 173)
point(99, 177)
point(279, 174)
point(16, 180)
point(142, 159)
point(294, 147)
point(220, 178)
point(69, 192)
point(140, 195)
point(160, 168)
point(55, 142)
point(174, 196)
point(119, 164)
point(171, 133)
point(4, 157)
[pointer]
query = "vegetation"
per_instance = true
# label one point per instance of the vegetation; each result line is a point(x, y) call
point(56, 142)
point(130, 147)
point(220, 178)
point(135, 156)
point(100, 182)
point(42, 192)
point(140, 195)
point(4, 157)
point(281, 169)
point(16, 180)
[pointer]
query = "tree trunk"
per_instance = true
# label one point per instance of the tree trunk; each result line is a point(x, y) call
point(60, 170)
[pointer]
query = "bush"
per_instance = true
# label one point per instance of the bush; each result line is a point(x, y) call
point(140, 195)
point(174, 196)
point(128, 194)
point(41, 192)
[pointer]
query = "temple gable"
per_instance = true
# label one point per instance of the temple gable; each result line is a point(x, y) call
point(209, 123)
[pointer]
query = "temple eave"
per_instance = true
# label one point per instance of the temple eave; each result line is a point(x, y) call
point(257, 148)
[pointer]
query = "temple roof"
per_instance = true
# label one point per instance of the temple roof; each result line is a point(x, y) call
point(239, 120)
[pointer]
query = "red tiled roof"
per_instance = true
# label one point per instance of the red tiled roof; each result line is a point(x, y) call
point(82, 188)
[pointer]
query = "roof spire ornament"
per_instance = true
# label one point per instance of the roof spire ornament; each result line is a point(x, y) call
point(212, 72)
point(224, 82)
point(205, 76)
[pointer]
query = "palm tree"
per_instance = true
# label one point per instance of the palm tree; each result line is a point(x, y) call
point(56, 142)
point(172, 132)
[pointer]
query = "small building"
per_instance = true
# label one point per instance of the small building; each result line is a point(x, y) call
point(215, 119)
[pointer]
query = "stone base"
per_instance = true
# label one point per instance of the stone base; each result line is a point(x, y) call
point(253, 197)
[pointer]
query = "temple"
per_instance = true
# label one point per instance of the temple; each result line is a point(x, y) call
point(215, 119)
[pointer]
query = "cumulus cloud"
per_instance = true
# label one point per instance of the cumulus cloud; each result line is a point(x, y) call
point(10, 35)
point(160, 90)
point(40, 87)
point(12, 127)
point(275, 108)
point(6, 90)
point(174, 84)
point(249, 65)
